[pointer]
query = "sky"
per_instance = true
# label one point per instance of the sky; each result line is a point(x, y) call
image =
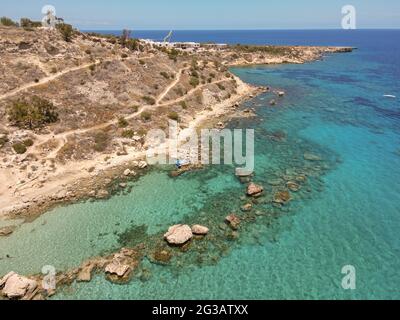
point(208, 14)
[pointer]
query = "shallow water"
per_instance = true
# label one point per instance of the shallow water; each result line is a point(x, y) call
point(348, 212)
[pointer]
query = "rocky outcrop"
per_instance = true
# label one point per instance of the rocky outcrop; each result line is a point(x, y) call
point(233, 221)
point(200, 230)
point(18, 287)
point(122, 264)
point(178, 234)
point(254, 190)
point(247, 207)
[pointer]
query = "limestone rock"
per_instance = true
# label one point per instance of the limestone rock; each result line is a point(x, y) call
point(233, 221)
point(142, 164)
point(127, 172)
point(282, 197)
point(178, 234)
point(6, 231)
point(199, 230)
point(115, 268)
point(18, 287)
point(254, 190)
point(247, 207)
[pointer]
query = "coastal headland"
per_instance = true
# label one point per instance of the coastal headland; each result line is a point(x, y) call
point(101, 95)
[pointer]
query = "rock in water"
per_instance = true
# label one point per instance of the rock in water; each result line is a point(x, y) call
point(254, 190)
point(178, 234)
point(233, 221)
point(6, 231)
point(127, 172)
point(282, 197)
point(115, 268)
point(247, 207)
point(18, 287)
point(311, 157)
point(199, 230)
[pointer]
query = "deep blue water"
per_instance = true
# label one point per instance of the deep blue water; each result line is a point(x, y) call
point(347, 214)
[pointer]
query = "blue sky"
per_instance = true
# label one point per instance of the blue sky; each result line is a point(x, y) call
point(209, 14)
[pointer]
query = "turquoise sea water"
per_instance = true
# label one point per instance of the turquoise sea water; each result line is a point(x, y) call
point(348, 212)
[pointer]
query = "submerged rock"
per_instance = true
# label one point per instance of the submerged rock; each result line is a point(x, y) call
point(178, 234)
point(311, 157)
point(247, 207)
point(233, 221)
point(254, 190)
point(200, 230)
point(282, 197)
point(243, 173)
point(293, 186)
point(18, 287)
point(162, 256)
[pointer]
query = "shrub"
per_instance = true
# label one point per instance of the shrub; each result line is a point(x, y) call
point(8, 22)
point(220, 86)
point(66, 31)
point(101, 140)
point(28, 142)
point(32, 114)
point(128, 134)
point(135, 108)
point(88, 51)
point(3, 140)
point(194, 82)
point(173, 115)
point(53, 70)
point(122, 123)
point(146, 116)
point(28, 24)
point(149, 100)
point(132, 44)
point(183, 104)
point(124, 56)
point(19, 148)
point(92, 67)
point(164, 74)
point(142, 62)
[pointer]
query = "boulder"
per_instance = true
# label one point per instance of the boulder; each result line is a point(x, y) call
point(233, 221)
point(178, 234)
point(247, 207)
point(200, 230)
point(115, 268)
point(6, 231)
point(127, 172)
point(242, 173)
point(85, 274)
point(281, 93)
point(272, 102)
point(254, 190)
point(142, 164)
point(18, 287)
point(102, 194)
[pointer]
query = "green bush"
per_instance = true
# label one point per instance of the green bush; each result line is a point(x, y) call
point(28, 142)
point(128, 134)
point(122, 123)
point(66, 31)
point(28, 24)
point(8, 22)
point(173, 115)
point(101, 140)
point(149, 100)
point(194, 82)
point(146, 116)
point(183, 104)
point(31, 114)
point(164, 74)
point(3, 140)
point(19, 147)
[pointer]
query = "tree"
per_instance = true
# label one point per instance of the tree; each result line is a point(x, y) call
point(66, 31)
point(8, 22)
point(125, 36)
point(32, 114)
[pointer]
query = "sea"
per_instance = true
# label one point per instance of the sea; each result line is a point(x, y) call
point(338, 237)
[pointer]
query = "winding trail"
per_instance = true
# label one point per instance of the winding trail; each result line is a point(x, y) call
point(47, 79)
point(171, 86)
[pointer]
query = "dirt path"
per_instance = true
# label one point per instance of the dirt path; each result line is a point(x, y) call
point(171, 86)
